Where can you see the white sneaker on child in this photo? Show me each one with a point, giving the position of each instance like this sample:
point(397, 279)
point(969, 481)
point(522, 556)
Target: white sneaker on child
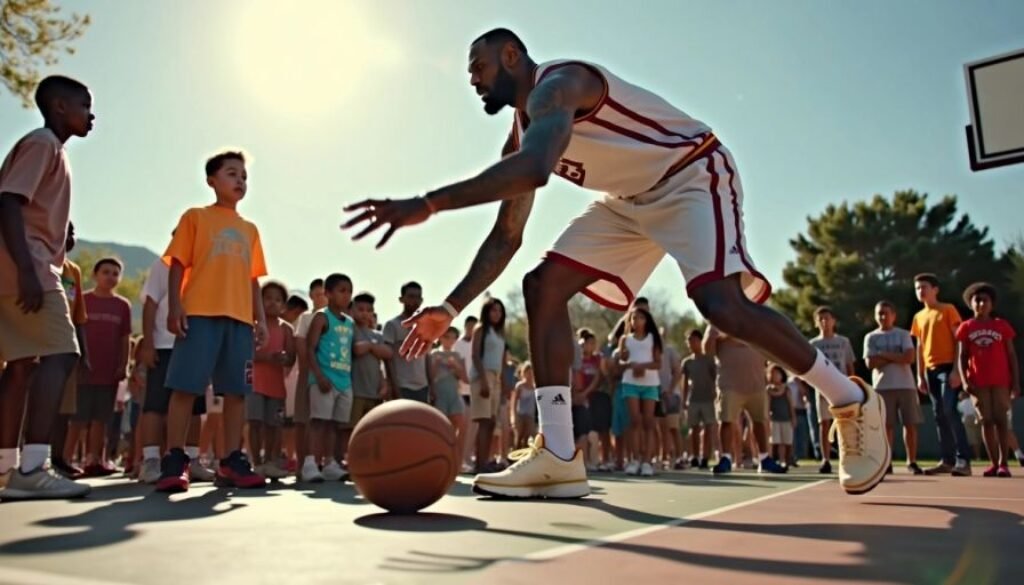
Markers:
point(310, 472)
point(633, 468)
point(333, 472)
point(273, 471)
point(150, 472)
point(647, 470)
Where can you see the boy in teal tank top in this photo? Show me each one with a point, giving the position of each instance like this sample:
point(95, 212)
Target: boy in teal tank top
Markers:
point(330, 341)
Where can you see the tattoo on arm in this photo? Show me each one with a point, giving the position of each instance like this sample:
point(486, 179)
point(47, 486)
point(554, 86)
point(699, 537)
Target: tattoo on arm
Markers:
point(495, 253)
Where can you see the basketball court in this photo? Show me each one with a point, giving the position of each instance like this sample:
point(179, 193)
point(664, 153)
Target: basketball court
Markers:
point(681, 525)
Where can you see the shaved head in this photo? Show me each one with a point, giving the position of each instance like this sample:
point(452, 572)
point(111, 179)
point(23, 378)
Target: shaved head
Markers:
point(499, 37)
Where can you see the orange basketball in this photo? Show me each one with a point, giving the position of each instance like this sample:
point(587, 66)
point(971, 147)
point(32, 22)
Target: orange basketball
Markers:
point(402, 456)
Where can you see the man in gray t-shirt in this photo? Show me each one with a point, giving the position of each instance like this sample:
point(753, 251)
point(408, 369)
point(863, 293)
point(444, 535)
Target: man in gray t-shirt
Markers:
point(408, 378)
point(889, 351)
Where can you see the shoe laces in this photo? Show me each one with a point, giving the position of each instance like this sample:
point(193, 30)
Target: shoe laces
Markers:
point(525, 453)
point(851, 435)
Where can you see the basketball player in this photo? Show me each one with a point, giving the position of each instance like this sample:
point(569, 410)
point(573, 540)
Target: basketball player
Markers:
point(669, 186)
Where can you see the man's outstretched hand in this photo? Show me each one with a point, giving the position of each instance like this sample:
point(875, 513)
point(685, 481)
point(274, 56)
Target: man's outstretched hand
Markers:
point(397, 213)
point(428, 325)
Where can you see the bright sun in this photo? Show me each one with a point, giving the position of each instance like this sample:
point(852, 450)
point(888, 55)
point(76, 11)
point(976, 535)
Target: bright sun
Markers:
point(306, 58)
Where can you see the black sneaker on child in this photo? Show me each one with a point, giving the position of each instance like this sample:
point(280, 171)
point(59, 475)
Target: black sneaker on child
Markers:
point(173, 472)
point(914, 468)
point(236, 471)
point(694, 462)
point(826, 467)
point(703, 463)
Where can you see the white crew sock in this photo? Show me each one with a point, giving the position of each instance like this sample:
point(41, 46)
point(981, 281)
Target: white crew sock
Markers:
point(192, 452)
point(725, 456)
point(555, 411)
point(833, 384)
point(33, 457)
point(8, 459)
point(762, 456)
point(151, 452)
point(1018, 453)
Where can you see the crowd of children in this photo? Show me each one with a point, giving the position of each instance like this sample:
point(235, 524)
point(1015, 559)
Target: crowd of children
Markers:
point(238, 382)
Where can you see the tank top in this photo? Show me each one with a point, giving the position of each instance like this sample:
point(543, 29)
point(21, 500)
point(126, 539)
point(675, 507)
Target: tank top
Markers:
point(629, 142)
point(334, 351)
point(494, 353)
point(268, 377)
point(641, 351)
point(527, 403)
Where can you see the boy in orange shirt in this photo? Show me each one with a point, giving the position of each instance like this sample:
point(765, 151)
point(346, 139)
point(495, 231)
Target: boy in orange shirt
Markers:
point(38, 336)
point(935, 328)
point(216, 313)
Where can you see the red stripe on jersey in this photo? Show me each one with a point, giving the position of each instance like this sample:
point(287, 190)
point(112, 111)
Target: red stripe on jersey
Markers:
point(739, 233)
point(645, 121)
point(718, 273)
point(638, 136)
point(719, 220)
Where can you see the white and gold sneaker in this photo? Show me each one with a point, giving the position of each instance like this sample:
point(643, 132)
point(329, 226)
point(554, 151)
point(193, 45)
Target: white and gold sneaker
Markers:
point(864, 454)
point(536, 473)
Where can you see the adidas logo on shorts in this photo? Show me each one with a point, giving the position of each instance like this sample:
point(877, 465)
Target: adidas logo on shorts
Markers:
point(558, 400)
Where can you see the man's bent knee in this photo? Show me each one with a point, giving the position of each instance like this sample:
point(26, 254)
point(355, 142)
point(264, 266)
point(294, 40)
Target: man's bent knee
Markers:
point(723, 304)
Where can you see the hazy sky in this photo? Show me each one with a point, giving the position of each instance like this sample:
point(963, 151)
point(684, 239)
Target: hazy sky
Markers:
point(819, 101)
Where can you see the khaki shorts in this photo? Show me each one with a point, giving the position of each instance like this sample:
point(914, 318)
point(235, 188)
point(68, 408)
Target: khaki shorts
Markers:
point(901, 407)
point(360, 408)
point(698, 413)
point(301, 414)
point(730, 405)
point(331, 406)
point(782, 433)
point(695, 216)
point(991, 403)
point(481, 408)
point(46, 332)
point(673, 420)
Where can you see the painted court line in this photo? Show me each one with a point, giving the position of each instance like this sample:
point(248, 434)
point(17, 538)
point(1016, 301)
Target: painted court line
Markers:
point(561, 551)
point(13, 576)
point(975, 498)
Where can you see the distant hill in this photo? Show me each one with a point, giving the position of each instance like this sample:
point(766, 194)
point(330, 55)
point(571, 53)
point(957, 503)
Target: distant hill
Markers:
point(136, 258)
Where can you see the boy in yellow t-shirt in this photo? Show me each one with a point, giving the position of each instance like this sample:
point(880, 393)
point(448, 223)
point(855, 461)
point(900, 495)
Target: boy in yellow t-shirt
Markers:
point(934, 327)
point(215, 310)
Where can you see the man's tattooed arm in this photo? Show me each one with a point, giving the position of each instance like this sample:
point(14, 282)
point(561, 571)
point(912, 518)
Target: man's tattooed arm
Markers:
point(497, 249)
point(551, 107)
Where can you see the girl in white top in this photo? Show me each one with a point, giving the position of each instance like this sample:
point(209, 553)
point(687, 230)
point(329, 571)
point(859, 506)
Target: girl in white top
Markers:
point(640, 356)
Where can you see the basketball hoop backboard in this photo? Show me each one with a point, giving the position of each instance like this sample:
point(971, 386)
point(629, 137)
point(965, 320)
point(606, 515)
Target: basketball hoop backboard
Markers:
point(995, 95)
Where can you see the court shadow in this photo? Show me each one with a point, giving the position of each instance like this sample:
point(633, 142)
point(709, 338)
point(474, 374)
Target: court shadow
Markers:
point(420, 522)
point(978, 546)
point(337, 492)
point(115, 522)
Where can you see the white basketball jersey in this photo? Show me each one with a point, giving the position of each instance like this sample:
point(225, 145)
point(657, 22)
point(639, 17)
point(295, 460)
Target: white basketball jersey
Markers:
point(629, 142)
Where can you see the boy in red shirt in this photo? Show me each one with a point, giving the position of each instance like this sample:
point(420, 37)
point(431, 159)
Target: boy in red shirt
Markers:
point(988, 368)
point(265, 405)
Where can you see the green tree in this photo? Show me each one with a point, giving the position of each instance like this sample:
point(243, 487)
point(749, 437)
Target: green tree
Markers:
point(33, 33)
point(852, 256)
